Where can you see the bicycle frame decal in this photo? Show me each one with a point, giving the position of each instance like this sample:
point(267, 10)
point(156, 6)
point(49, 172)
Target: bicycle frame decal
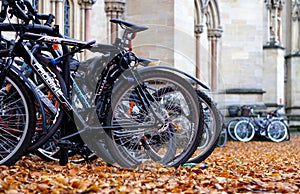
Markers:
point(51, 39)
point(48, 79)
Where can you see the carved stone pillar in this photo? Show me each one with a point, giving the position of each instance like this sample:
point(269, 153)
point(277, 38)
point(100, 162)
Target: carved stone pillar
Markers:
point(198, 31)
point(57, 9)
point(274, 10)
point(86, 7)
point(214, 35)
point(114, 9)
point(295, 28)
point(273, 55)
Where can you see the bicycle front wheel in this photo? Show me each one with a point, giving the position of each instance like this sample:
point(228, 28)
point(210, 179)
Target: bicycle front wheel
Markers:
point(168, 104)
point(17, 119)
point(244, 130)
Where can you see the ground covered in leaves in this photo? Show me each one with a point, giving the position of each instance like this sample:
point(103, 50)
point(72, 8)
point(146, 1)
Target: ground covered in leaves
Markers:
point(257, 166)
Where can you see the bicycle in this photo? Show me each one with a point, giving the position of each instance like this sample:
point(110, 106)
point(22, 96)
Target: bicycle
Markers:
point(272, 127)
point(120, 62)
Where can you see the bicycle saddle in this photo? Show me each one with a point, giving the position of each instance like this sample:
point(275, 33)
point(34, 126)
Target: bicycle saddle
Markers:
point(132, 26)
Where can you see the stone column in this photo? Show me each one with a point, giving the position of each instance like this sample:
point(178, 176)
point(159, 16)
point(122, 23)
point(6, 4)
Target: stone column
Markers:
point(198, 31)
point(273, 56)
point(114, 9)
point(57, 9)
point(293, 59)
point(213, 36)
point(86, 7)
point(274, 11)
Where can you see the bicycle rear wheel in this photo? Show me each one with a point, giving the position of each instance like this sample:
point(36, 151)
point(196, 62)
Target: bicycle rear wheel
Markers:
point(173, 102)
point(213, 124)
point(277, 131)
point(17, 119)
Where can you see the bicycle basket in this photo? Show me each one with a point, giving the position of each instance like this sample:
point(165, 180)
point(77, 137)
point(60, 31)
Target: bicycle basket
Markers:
point(245, 111)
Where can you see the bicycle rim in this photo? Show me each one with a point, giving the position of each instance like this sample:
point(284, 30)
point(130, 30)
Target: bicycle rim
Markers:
point(170, 144)
point(16, 120)
point(213, 124)
point(277, 131)
point(244, 130)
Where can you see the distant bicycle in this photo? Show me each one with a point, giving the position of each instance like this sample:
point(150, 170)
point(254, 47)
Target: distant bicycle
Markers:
point(272, 126)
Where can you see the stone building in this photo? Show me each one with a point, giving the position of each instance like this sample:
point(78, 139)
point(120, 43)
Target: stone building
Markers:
point(248, 50)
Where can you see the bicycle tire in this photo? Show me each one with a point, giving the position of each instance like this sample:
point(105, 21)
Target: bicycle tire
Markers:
point(206, 136)
point(215, 128)
point(230, 128)
point(242, 130)
point(15, 97)
point(120, 152)
point(277, 131)
point(223, 137)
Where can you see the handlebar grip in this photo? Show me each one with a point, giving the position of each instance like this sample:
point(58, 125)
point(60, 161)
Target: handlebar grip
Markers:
point(50, 19)
point(35, 28)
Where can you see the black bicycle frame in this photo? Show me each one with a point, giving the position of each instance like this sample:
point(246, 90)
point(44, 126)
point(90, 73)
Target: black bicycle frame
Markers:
point(20, 49)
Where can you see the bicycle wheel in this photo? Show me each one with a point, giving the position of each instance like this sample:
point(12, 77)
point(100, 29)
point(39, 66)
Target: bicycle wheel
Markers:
point(277, 131)
point(230, 128)
point(172, 102)
point(206, 136)
point(17, 119)
point(244, 130)
point(213, 123)
point(222, 137)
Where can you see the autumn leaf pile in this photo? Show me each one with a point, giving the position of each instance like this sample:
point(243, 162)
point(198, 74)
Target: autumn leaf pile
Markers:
point(256, 166)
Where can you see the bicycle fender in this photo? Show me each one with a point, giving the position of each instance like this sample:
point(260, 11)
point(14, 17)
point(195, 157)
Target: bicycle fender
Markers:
point(196, 80)
point(32, 88)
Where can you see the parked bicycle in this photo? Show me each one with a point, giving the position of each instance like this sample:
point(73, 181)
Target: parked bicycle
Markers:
point(272, 126)
point(148, 132)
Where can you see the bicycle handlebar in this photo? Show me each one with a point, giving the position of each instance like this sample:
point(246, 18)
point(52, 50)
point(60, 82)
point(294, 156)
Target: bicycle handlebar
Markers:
point(34, 28)
point(17, 8)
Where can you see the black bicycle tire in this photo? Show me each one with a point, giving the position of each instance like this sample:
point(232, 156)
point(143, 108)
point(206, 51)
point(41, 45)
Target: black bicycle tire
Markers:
point(207, 138)
point(188, 87)
point(222, 141)
point(31, 119)
point(208, 101)
point(231, 135)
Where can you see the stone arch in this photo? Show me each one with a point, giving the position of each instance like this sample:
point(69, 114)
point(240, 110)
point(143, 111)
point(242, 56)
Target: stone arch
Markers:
point(207, 16)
